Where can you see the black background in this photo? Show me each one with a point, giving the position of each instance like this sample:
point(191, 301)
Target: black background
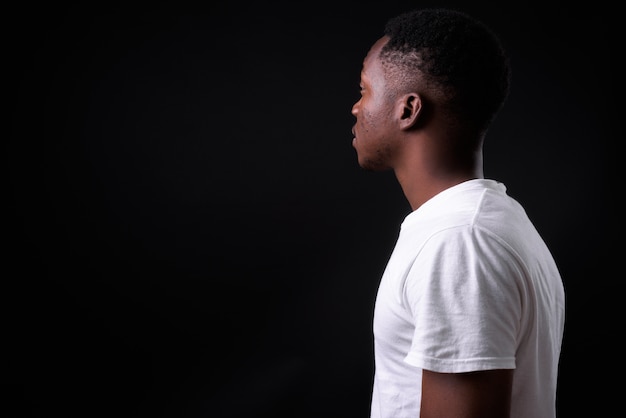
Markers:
point(189, 233)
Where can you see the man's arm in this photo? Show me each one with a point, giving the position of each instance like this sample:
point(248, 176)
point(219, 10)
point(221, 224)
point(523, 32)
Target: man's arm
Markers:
point(484, 394)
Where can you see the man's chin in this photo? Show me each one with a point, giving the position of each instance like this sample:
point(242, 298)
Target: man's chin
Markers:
point(372, 166)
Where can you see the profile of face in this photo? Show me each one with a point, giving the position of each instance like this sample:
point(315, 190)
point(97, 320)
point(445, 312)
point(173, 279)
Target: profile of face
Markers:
point(373, 130)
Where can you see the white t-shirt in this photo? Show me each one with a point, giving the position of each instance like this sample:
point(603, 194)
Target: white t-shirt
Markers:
point(470, 286)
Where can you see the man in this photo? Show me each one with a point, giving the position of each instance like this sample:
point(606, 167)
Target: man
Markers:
point(469, 315)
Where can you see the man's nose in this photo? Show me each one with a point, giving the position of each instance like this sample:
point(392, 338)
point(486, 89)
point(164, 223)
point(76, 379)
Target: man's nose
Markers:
point(355, 108)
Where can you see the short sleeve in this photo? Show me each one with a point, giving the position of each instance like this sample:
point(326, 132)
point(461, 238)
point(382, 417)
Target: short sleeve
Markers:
point(463, 292)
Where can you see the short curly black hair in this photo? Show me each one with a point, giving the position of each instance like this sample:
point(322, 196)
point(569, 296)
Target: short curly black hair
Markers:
point(458, 54)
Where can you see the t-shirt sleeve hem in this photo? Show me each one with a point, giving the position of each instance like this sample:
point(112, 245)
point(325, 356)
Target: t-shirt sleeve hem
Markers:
point(459, 365)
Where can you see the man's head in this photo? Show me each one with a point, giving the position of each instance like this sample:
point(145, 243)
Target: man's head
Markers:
point(430, 64)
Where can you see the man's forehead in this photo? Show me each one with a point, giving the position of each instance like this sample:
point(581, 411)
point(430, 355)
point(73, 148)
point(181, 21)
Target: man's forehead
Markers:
point(371, 59)
point(374, 50)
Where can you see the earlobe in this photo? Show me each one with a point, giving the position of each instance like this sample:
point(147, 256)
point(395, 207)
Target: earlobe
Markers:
point(411, 110)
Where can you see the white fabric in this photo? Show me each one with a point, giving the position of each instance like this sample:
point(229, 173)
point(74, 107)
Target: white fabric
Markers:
point(470, 286)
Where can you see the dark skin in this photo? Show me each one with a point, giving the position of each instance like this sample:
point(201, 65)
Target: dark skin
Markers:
point(484, 394)
point(394, 131)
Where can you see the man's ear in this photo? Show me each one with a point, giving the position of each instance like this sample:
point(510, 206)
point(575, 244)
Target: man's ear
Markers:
point(410, 110)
